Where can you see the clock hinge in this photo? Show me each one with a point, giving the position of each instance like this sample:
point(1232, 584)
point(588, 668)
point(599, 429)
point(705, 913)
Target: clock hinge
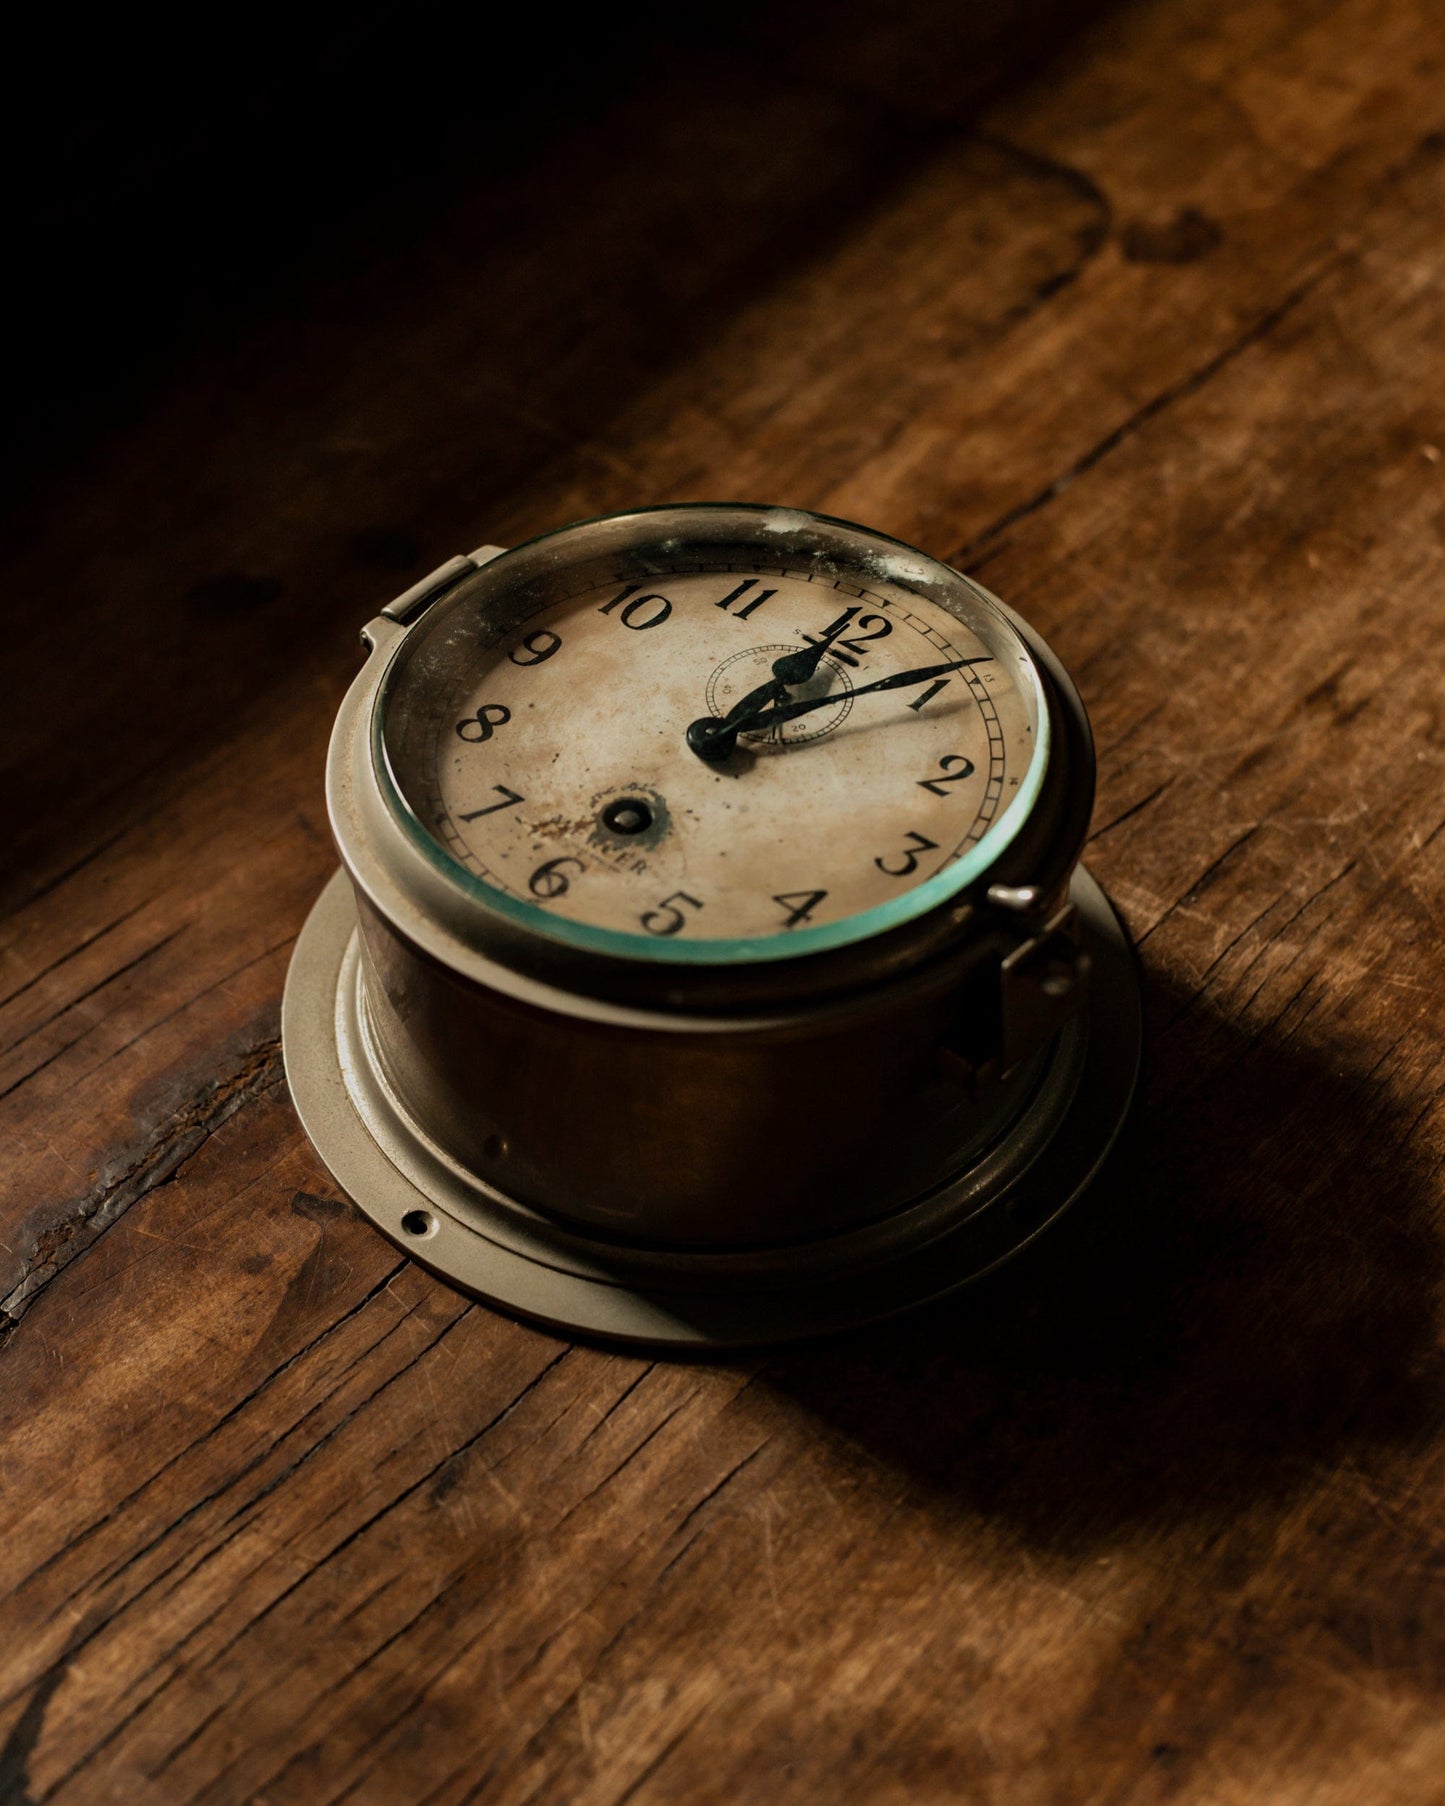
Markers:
point(411, 602)
point(1041, 985)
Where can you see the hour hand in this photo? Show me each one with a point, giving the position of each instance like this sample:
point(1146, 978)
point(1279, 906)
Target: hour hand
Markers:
point(797, 667)
point(714, 737)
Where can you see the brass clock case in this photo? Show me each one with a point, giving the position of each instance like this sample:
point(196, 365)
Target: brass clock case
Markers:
point(710, 1152)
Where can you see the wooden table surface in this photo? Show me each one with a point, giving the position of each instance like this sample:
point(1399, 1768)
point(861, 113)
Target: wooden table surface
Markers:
point(1154, 342)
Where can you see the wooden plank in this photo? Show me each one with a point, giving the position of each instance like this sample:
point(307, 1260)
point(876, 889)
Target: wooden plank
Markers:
point(1156, 1515)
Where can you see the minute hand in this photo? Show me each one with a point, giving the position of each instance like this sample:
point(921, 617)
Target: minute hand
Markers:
point(789, 711)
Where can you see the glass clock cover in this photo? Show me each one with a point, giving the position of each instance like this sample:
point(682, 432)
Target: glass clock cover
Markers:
point(759, 737)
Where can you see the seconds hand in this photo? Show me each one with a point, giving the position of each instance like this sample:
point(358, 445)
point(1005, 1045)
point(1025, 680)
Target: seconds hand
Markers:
point(766, 712)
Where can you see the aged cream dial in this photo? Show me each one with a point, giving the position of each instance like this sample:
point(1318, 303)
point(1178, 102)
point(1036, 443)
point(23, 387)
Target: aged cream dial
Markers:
point(720, 750)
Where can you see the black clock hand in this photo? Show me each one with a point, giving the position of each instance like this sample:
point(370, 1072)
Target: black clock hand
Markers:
point(797, 667)
point(792, 669)
point(789, 711)
point(721, 743)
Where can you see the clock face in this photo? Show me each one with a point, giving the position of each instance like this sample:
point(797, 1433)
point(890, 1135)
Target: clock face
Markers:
point(724, 744)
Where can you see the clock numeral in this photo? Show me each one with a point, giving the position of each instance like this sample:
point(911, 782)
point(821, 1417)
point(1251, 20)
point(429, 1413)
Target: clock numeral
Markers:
point(939, 683)
point(549, 880)
point(938, 785)
point(667, 918)
point(488, 718)
point(850, 648)
point(799, 904)
point(508, 798)
point(917, 843)
point(634, 615)
point(741, 614)
point(536, 647)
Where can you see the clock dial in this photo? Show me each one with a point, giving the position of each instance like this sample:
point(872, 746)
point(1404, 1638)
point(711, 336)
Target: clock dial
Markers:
point(717, 746)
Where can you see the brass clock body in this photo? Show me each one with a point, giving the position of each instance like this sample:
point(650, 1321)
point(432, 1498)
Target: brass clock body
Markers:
point(710, 963)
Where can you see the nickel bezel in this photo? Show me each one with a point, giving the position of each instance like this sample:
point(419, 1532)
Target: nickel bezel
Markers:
point(461, 919)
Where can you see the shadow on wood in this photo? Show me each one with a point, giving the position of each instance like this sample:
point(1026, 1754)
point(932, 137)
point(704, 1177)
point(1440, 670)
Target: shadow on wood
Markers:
point(1250, 1290)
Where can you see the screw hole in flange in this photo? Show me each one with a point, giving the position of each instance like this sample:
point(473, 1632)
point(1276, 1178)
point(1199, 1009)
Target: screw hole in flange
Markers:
point(419, 1223)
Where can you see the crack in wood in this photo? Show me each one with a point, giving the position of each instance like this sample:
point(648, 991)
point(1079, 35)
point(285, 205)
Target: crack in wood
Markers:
point(453, 1656)
point(668, 1749)
point(255, 1393)
point(189, 1003)
point(74, 1002)
point(178, 1139)
point(1157, 404)
point(64, 959)
point(706, 1500)
point(54, 883)
point(1133, 809)
point(164, 1681)
point(407, 1494)
point(626, 1460)
point(616, 1405)
point(1192, 892)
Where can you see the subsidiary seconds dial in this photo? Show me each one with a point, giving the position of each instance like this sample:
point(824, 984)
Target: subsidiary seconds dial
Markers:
point(718, 749)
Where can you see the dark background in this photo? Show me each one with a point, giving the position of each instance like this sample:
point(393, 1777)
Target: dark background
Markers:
point(176, 175)
point(476, 237)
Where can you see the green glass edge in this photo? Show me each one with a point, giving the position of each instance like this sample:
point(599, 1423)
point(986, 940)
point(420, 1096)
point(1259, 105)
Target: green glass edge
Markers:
point(613, 942)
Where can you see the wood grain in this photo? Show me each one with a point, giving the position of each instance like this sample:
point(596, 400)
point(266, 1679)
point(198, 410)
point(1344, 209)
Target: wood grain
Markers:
point(1152, 345)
